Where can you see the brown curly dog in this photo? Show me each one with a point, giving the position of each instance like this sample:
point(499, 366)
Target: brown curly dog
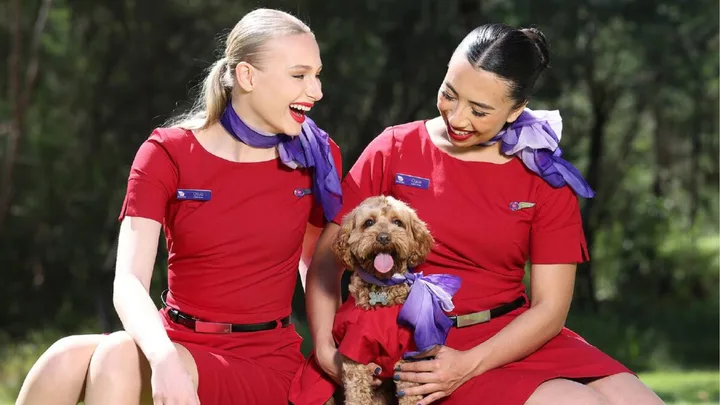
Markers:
point(382, 236)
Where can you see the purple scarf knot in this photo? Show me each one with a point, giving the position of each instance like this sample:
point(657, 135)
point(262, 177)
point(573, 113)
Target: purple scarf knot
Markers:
point(310, 149)
point(534, 137)
point(424, 309)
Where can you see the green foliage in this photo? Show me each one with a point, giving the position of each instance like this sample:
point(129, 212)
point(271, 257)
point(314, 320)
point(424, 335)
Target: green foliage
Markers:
point(699, 387)
point(17, 357)
point(655, 336)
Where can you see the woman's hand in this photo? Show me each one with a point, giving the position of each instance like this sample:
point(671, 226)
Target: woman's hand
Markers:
point(170, 381)
point(438, 377)
point(330, 361)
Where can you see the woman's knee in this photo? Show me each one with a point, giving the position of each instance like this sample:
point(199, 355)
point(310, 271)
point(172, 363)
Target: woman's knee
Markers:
point(625, 389)
point(117, 357)
point(69, 353)
point(60, 371)
point(565, 392)
point(67, 358)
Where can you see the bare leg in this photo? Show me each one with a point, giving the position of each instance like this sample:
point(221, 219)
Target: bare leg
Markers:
point(58, 376)
point(565, 392)
point(120, 374)
point(625, 389)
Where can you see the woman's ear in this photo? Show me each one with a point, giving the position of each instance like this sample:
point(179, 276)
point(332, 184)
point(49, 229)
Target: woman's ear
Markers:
point(245, 76)
point(516, 113)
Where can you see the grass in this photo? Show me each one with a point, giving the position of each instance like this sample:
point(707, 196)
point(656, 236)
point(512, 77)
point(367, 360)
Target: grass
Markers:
point(685, 388)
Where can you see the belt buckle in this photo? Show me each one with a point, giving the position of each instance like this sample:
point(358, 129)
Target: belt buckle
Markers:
point(212, 327)
point(473, 319)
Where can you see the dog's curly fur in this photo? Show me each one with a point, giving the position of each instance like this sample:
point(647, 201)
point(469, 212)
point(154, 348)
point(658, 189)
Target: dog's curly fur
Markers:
point(356, 245)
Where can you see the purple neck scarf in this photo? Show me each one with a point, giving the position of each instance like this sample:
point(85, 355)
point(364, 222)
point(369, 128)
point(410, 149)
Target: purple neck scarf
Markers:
point(424, 310)
point(534, 138)
point(309, 149)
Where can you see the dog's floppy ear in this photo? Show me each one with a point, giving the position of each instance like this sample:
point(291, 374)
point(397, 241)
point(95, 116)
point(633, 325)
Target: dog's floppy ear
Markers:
point(423, 241)
point(340, 245)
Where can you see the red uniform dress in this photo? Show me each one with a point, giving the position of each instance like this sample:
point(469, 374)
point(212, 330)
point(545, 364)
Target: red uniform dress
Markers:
point(487, 220)
point(233, 258)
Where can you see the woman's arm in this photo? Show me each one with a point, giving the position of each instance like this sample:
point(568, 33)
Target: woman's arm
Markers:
point(137, 249)
point(322, 300)
point(551, 286)
point(312, 233)
point(552, 290)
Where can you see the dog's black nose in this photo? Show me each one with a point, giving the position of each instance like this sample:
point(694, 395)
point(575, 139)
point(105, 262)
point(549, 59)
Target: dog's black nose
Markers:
point(383, 238)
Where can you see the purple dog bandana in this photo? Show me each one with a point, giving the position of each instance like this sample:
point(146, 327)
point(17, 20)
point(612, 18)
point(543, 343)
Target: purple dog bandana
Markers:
point(534, 138)
point(309, 149)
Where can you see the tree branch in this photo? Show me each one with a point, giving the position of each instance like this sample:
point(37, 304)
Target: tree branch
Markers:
point(19, 96)
point(33, 62)
point(621, 165)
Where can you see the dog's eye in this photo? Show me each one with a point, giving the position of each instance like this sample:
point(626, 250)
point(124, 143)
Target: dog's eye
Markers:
point(399, 223)
point(369, 223)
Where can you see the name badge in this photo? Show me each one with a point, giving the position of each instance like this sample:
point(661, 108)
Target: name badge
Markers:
point(412, 181)
point(190, 194)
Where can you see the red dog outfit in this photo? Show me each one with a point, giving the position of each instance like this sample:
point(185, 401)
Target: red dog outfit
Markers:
point(363, 336)
point(374, 335)
point(384, 335)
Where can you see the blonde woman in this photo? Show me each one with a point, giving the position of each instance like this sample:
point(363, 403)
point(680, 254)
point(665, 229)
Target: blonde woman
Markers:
point(239, 186)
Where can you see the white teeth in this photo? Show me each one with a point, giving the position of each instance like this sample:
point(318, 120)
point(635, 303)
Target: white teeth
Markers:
point(461, 132)
point(300, 107)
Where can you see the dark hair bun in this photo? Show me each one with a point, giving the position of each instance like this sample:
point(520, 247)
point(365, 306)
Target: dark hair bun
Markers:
point(540, 42)
point(517, 55)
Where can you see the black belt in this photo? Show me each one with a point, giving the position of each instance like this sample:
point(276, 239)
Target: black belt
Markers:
point(461, 321)
point(200, 326)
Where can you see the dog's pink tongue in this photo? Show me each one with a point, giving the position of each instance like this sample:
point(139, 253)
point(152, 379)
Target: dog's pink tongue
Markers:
point(383, 262)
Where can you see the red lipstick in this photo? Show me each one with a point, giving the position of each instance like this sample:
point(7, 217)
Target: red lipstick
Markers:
point(297, 114)
point(462, 136)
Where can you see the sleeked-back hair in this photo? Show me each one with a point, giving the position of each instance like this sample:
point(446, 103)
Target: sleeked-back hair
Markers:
point(245, 43)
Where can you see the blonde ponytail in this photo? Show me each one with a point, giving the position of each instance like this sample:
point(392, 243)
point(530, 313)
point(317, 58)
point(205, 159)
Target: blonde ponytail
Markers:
point(209, 106)
point(244, 43)
point(216, 91)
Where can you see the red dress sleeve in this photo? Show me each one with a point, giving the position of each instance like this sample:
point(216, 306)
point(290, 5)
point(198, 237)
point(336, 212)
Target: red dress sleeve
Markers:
point(556, 233)
point(317, 216)
point(152, 182)
point(368, 176)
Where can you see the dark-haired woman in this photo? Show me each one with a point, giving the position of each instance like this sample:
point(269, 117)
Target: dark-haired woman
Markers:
point(488, 178)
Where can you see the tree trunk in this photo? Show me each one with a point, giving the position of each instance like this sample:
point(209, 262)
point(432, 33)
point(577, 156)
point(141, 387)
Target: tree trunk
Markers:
point(586, 294)
point(695, 153)
point(20, 92)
